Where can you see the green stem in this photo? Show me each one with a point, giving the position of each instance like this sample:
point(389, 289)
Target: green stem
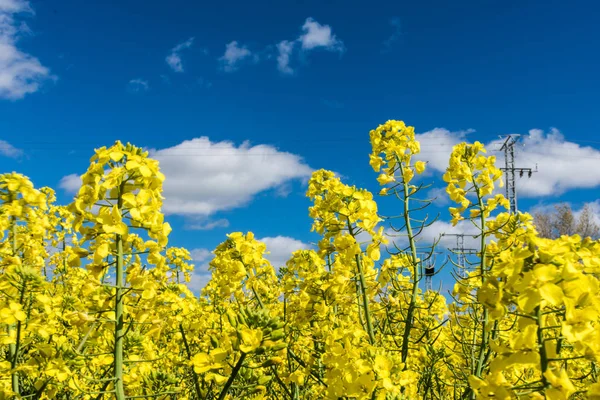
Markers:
point(119, 326)
point(318, 351)
point(234, 373)
point(415, 289)
point(19, 324)
point(484, 334)
point(540, 339)
point(281, 383)
point(189, 354)
point(12, 348)
point(483, 350)
point(85, 338)
point(359, 301)
point(363, 290)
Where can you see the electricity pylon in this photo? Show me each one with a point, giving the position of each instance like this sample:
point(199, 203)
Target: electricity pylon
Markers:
point(510, 169)
point(461, 252)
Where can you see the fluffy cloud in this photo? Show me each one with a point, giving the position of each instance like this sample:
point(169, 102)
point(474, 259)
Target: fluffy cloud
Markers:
point(20, 73)
point(8, 150)
point(205, 224)
point(234, 55)
point(70, 183)
point(436, 146)
point(316, 35)
point(440, 232)
point(203, 177)
point(281, 249)
point(562, 165)
point(200, 255)
point(557, 159)
point(174, 58)
point(138, 85)
point(284, 49)
point(438, 196)
point(436, 230)
point(199, 278)
point(201, 275)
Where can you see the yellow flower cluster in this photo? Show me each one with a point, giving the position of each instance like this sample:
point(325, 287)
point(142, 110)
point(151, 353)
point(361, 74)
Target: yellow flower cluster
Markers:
point(470, 170)
point(239, 268)
point(336, 205)
point(393, 145)
point(95, 305)
point(551, 292)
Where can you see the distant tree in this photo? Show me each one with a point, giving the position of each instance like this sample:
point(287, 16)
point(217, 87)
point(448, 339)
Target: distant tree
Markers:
point(562, 221)
point(586, 225)
point(543, 223)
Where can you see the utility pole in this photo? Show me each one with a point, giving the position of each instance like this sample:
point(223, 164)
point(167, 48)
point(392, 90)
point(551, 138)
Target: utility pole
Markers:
point(461, 251)
point(510, 169)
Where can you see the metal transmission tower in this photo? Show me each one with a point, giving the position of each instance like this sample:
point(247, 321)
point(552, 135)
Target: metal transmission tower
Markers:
point(510, 169)
point(429, 272)
point(429, 267)
point(461, 251)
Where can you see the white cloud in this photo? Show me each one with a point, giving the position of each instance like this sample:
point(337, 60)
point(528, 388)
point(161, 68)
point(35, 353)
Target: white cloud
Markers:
point(316, 35)
point(436, 146)
point(201, 275)
point(433, 233)
point(70, 183)
point(283, 190)
point(8, 150)
point(438, 196)
point(199, 278)
point(562, 165)
point(20, 73)
point(234, 55)
point(138, 85)
point(285, 48)
point(281, 249)
point(313, 36)
point(203, 224)
point(200, 255)
point(560, 162)
point(174, 58)
point(203, 177)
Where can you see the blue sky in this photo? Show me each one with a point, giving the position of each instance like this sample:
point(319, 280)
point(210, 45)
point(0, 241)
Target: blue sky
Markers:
point(304, 81)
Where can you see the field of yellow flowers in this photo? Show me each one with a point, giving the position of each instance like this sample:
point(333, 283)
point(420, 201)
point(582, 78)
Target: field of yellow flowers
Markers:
point(94, 303)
